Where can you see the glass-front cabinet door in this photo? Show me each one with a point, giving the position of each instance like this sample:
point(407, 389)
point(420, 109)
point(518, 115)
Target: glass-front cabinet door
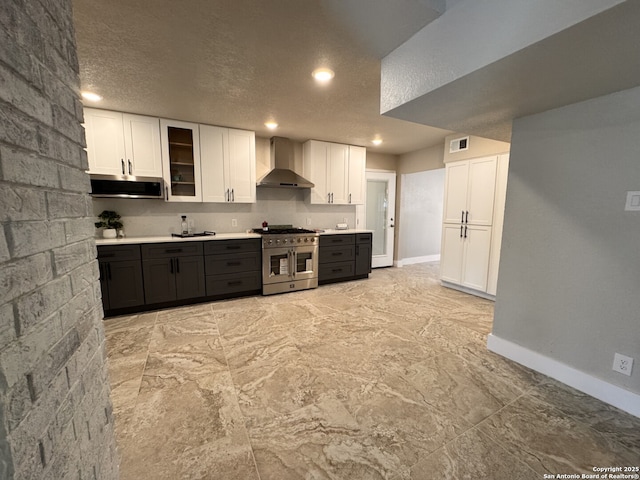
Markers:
point(181, 161)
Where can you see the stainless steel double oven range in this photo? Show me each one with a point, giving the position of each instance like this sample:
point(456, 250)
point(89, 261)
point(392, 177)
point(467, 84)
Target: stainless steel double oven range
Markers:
point(289, 259)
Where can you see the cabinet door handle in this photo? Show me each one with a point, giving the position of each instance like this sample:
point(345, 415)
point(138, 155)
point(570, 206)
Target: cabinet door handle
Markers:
point(122, 162)
point(171, 265)
point(331, 197)
point(234, 283)
point(173, 250)
point(234, 264)
point(460, 231)
point(462, 217)
point(328, 198)
point(465, 231)
point(466, 219)
point(349, 198)
point(233, 195)
point(177, 265)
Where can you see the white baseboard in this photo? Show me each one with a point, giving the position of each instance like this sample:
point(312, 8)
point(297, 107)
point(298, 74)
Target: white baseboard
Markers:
point(608, 393)
point(412, 260)
point(470, 291)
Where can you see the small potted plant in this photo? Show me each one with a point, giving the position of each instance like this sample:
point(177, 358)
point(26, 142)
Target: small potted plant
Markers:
point(110, 222)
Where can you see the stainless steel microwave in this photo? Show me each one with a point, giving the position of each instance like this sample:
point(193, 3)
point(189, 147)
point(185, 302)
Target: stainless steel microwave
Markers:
point(126, 186)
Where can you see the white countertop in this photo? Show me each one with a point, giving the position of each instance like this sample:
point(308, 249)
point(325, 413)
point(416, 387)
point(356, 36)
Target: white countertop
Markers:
point(168, 239)
point(333, 231)
point(208, 238)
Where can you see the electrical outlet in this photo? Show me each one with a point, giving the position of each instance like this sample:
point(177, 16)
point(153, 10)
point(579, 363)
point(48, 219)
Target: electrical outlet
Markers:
point(622, 364)
point(308, 222)
point(344, 220)
point(234, 222)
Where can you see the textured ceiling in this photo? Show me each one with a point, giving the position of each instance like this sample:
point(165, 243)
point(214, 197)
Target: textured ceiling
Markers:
point(239, 63)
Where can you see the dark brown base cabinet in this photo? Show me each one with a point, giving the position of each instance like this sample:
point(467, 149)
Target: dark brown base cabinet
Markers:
point(149, 276)
point(233, 267)
point(344, 257)
point(364, 250)
point(120, 277)
point(173, 271)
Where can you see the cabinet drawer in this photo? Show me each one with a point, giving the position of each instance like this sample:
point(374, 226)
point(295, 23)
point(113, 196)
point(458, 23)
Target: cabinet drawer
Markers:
point(118, 252)
point(364, 237)
point(166, 250)
point(215, 247)
point(340, 239)
point(232, 263)
point(233, 283)
point(332, 271)
point(337, 253)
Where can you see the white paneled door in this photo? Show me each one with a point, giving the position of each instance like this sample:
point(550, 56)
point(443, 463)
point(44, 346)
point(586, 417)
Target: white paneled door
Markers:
point(380, 210)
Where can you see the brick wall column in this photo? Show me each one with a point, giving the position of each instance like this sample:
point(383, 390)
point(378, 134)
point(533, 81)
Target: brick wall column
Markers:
point(55, 413)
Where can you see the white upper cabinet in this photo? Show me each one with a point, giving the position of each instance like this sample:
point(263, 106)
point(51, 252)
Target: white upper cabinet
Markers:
point(315, 168)
point(357, 181)
point(228, 165)
point(122, 144)
point(470, 190)
point(105, 142)
point(142, 145)
point(181, 160)
point(240, 170)
point(338, 172)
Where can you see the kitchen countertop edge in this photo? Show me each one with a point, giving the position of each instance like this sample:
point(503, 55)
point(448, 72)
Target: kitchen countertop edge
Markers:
point(208, 238)
point(169, 239)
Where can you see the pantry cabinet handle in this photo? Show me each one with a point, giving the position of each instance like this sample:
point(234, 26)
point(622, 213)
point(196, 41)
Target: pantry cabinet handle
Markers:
point(466, 219)
point(462, 217)
point(465, 231)
point(460, 231)
point(122, 162)
point(130, 167)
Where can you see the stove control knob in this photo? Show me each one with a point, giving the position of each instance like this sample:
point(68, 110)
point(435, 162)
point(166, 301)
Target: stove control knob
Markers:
point(278, 242)
point(285, 240)
point(299, 240)
point(306, 240)
point(270, 242)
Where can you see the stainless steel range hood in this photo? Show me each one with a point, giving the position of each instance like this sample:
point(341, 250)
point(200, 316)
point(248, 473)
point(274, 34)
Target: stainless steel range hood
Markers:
point(283, 176)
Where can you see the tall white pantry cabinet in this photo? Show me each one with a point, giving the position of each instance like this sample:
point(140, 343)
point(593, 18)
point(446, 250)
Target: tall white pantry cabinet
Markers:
point(472, 223)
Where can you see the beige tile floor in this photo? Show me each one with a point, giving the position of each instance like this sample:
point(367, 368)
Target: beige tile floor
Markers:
point(384, 378)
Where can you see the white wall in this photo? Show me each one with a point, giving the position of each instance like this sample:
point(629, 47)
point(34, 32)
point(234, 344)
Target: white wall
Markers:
point(570, 264)
point(420, 229)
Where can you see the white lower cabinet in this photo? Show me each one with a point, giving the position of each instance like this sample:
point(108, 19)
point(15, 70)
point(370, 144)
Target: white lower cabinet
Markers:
point(465, 255)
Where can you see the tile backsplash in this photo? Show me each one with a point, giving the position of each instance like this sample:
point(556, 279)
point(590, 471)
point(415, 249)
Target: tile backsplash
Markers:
point(143, 217)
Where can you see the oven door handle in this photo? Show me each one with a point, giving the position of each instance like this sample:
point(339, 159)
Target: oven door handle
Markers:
point(292, 265)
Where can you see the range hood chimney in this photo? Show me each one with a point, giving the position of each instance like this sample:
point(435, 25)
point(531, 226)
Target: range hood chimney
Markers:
point(282, 175)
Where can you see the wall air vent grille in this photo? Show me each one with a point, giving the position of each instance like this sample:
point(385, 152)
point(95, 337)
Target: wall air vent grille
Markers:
point(459, 144)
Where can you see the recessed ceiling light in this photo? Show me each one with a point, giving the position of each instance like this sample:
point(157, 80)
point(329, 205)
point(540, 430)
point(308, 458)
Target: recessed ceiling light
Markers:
point(90, 96)
point(271, 125)
point(323, 74)
point(377, 141)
